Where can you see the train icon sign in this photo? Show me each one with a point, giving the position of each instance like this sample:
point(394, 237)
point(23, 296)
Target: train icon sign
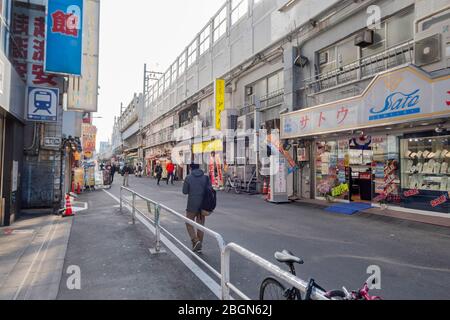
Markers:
point(42, 104)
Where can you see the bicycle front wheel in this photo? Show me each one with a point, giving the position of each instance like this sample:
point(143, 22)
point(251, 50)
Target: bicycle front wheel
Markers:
point(237, 186)
point(272, 290)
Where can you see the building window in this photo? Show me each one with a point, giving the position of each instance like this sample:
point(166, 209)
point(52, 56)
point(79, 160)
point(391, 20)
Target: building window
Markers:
point(220, 24)
point(345, 62)
point(192, 53)
point(275, 83)
point(238, 9)
point(182, 64)
point(160, 87)
point(174, 74)
point(204, 40)
point(167, 80)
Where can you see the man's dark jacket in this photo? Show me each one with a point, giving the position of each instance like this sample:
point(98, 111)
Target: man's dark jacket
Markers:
point(195, 186)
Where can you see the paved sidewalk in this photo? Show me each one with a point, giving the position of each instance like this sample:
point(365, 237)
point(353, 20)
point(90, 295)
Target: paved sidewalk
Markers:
point(32, 255)
point(115, 261)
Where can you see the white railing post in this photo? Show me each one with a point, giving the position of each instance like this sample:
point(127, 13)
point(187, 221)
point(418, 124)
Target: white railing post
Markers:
point(133, 213)
point(225, 271)
point(157, 228)
point(121, 205)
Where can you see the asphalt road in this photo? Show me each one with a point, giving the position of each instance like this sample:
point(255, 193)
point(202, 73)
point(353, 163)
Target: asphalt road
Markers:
point(115, 262)
point(414, 258)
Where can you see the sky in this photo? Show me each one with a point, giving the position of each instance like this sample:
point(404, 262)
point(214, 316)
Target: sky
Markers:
point(135, 32)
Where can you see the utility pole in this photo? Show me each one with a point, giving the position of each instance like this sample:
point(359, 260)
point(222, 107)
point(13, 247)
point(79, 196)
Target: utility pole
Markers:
point(149, 78)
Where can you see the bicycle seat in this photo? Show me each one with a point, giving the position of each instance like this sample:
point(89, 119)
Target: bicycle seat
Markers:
point(287, 257)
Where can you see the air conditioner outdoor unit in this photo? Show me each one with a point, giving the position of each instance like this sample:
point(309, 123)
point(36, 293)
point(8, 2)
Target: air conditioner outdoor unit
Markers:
point(431, 45)
point(428, 50)
point(364, 38)
point(243, 123)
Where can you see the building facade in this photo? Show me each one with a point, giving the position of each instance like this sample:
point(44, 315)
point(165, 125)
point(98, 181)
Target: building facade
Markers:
point(129, 129)
point(314, 71)
point(12, 124)
point(38, 146)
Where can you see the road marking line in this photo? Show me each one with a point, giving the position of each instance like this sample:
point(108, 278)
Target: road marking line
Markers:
point(188, 262)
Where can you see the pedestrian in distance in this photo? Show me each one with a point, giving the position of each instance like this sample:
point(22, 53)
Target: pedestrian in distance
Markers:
point(158, 172)
point(140, 170)
point(113, 172)
point(126, 174)
point(170, 167)
point(201, 202)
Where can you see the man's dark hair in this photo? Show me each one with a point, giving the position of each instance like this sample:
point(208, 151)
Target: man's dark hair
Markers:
point(195, 166)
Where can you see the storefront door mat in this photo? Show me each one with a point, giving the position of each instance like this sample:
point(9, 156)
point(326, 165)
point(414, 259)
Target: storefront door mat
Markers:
point(349, 208)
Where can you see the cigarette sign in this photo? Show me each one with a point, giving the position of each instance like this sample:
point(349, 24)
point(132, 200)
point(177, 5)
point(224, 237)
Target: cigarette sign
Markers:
point(220, 101)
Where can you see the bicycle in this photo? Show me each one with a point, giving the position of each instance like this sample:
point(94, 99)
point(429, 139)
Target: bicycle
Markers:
point(234, 183)
point(272, 289)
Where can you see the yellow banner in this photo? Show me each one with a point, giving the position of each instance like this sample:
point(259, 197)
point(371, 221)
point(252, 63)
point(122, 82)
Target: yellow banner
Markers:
point(220, 101)
point(207, 147)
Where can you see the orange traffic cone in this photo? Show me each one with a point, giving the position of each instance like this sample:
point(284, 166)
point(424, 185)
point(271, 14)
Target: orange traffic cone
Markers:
point(265, 190)
point(69, 211)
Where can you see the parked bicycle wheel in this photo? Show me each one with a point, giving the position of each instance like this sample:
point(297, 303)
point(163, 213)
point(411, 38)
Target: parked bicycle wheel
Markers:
point(227, 187)
point(237, 184)
point(272, 290)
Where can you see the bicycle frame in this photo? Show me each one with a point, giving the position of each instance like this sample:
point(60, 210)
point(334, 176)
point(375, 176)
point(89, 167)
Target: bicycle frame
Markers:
point(361, 294)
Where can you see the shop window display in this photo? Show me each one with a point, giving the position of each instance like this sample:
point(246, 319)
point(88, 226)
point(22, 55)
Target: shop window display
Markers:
point(386, 168)
point(426, 164)
point(426, 173)
point(330, 169)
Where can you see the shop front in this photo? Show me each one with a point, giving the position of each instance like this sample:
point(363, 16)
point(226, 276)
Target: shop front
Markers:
point(210, 156)
point(389, 146)
point(154, 155)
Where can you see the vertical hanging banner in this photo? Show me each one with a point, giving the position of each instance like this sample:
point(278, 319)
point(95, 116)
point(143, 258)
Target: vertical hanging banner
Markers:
point(219, 95)
point(82, 93)
point(64, 41)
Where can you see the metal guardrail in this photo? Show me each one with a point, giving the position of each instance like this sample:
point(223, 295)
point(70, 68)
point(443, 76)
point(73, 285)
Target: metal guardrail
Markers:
point(157, 208)
point(225, 250)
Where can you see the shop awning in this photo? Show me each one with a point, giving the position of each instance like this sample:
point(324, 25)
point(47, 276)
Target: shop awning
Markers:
point(400, 96)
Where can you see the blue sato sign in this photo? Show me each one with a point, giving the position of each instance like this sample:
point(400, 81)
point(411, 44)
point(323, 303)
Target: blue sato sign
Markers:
point(397, 104)
point(64, 42)
point(42, 104)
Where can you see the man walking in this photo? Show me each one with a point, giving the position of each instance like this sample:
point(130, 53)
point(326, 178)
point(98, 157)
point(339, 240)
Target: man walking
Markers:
point(126, 174)
point(113, 172)
point(195, 187)
point(159, 172)
point(170, 172)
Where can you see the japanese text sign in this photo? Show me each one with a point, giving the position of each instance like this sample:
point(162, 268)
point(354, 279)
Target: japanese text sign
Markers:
point(220, 102)
point(398, 96)
point(64, 43)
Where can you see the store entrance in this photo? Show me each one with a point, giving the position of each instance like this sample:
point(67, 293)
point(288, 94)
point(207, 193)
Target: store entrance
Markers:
point(360, 172)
